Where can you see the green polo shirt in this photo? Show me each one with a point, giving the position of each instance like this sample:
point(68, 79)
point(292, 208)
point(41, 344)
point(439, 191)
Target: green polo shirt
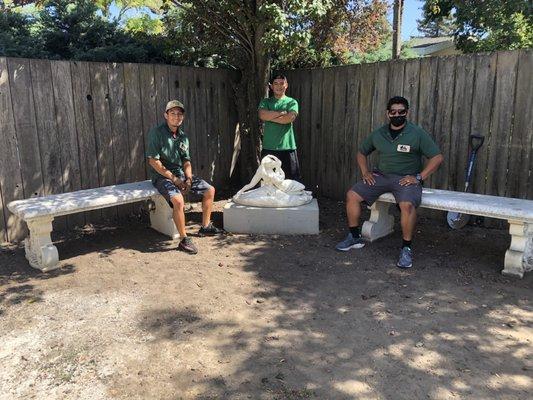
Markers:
point(172, 152)
point(279, 136)
point(403, 155)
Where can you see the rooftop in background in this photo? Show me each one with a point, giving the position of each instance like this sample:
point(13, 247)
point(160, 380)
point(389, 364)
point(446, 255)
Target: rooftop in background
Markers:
point(433, 46)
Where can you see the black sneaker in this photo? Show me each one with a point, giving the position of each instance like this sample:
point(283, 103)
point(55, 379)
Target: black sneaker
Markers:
point(209, 230)
point(187, 246)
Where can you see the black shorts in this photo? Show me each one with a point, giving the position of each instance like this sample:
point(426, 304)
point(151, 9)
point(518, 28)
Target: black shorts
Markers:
point(289, 162)
point(168, 189)
point(389, 183)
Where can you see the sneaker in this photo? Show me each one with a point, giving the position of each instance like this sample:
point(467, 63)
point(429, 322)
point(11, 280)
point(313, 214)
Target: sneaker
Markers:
point(187, 246)
point(350, 243)
point(209, 230)
point(406, 258)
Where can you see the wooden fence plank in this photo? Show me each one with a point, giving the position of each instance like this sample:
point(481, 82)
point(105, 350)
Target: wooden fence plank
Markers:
point(443, 118)
point(25, 126)
point(119, 130)
point(427, 99)
point(148, 103)
point(365, 108)
point(11, 185)
point(83, 111)
point(411, 87)
point(67, 133)
point(381, 94)
point(306, 124)
point(162, 95)
point(338, 139)
point(102, 129)
point(396, 78)
point(521, 153)
point(326, 151)
point(201, 131)
point(45, 118)
point(136, 134)
point(351, 124)
point(483, 95)
point(460, 129)
point(316, 108)
point(500, 127)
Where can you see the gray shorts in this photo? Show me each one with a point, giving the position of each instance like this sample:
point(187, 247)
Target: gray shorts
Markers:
point(388, 183)
point(168, 189)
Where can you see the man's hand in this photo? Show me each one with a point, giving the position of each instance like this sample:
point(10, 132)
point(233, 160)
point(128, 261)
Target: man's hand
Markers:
point(409, 180)
point(368, 178)
point(179, 184)
point(188, 184)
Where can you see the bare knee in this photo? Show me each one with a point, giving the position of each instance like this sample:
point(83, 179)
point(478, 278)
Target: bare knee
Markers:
point(177, 202)
point(407, 207)
point(352, 197)
point(209, 193)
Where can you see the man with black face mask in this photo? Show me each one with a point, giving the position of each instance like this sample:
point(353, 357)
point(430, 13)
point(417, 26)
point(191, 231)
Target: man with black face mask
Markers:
point(400, 145)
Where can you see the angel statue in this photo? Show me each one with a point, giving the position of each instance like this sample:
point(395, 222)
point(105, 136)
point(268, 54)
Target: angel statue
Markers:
point(276, 191)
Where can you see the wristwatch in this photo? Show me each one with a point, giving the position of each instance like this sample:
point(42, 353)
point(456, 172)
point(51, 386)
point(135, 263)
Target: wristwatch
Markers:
point(418, 178)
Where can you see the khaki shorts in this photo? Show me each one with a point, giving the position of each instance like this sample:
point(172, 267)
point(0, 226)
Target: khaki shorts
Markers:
point(388, 183)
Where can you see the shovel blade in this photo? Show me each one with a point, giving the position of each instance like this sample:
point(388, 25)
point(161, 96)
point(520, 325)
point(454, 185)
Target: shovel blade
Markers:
point(457, 220)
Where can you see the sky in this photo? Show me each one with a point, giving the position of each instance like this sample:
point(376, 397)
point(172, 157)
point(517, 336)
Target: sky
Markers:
point(412, 10)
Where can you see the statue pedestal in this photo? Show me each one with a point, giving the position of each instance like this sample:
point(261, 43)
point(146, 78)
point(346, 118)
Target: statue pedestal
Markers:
point(301, 220)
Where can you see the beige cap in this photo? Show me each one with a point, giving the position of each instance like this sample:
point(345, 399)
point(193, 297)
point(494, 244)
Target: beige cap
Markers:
point(173, 104)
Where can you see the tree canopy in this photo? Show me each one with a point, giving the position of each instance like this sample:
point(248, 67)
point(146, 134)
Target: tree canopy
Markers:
point(485, 25)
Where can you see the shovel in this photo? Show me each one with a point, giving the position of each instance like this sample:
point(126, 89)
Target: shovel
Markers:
point(457, 220)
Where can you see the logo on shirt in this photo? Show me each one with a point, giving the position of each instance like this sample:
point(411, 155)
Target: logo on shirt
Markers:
point(404, 148)
point(184, 147)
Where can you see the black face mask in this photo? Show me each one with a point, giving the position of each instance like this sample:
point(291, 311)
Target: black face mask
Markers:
point(398, 120)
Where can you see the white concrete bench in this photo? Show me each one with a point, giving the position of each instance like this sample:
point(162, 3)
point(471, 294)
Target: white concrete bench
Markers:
point(39, 212)
point(519, 213)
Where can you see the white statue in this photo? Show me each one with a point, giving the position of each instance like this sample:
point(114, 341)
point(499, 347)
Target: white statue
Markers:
point(276, 191)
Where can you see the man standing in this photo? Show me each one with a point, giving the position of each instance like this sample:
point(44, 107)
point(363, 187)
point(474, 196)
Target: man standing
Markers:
point(171, 173)
point(400, 145)
point(278, 113)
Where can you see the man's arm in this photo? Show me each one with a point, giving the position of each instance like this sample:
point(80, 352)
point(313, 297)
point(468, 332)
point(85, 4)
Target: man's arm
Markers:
point(367, 176)
point(163, 171)
point(287, 118)
point(267, 115)
point(431, 166)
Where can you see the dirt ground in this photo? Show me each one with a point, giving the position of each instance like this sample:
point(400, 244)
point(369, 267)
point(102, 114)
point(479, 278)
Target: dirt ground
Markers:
point(266, 317)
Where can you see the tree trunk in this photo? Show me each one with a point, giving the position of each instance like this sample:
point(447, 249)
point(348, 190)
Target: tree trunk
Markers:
point(251, 88)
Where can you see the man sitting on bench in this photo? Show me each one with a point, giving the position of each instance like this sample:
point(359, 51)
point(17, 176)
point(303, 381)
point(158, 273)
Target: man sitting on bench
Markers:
point(400, 145)
point(171, 173)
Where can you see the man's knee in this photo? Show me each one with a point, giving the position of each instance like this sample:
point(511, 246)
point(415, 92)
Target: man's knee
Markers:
point(352, 197)
point(407, 207)
point(177, 202)
point(210, 193)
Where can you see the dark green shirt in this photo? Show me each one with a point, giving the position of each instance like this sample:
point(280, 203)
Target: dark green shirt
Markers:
point(172, 152)
point(402, 155)
point(279, 136)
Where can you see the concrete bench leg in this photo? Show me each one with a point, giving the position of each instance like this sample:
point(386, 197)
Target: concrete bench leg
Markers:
point(519, 256)
point(380, 223)
point(161, 218)
point(40, 252)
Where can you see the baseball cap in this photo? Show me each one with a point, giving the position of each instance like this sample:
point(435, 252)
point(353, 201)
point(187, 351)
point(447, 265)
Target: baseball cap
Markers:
point(174, 103)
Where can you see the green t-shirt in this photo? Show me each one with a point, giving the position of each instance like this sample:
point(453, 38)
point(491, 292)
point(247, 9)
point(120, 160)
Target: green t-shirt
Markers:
point(279, 136)
point(403, 155)
point(172, 152)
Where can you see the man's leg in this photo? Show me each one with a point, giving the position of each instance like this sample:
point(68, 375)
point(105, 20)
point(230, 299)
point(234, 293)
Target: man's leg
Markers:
point(353, 208)
point(178, 213)
point(407, 219)
point(207, 205)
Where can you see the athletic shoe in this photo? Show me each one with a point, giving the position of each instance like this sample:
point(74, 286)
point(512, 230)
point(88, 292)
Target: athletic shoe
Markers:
point(406, 258)
point(187, 246)
point(350, 243)
point(209, 230)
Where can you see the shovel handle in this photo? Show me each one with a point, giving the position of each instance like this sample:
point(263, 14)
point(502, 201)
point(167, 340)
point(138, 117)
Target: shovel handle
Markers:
point(476, 138)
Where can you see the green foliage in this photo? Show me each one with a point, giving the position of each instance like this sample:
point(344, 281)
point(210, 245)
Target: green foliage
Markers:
point(486, 25)
point(383, 53)
point(16, 37)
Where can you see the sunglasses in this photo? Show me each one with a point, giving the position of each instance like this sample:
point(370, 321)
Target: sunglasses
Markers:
point(397, 112)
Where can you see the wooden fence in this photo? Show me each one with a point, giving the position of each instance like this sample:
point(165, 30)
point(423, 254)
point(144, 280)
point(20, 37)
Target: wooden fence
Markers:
point(75, 125)
point(451, 97)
